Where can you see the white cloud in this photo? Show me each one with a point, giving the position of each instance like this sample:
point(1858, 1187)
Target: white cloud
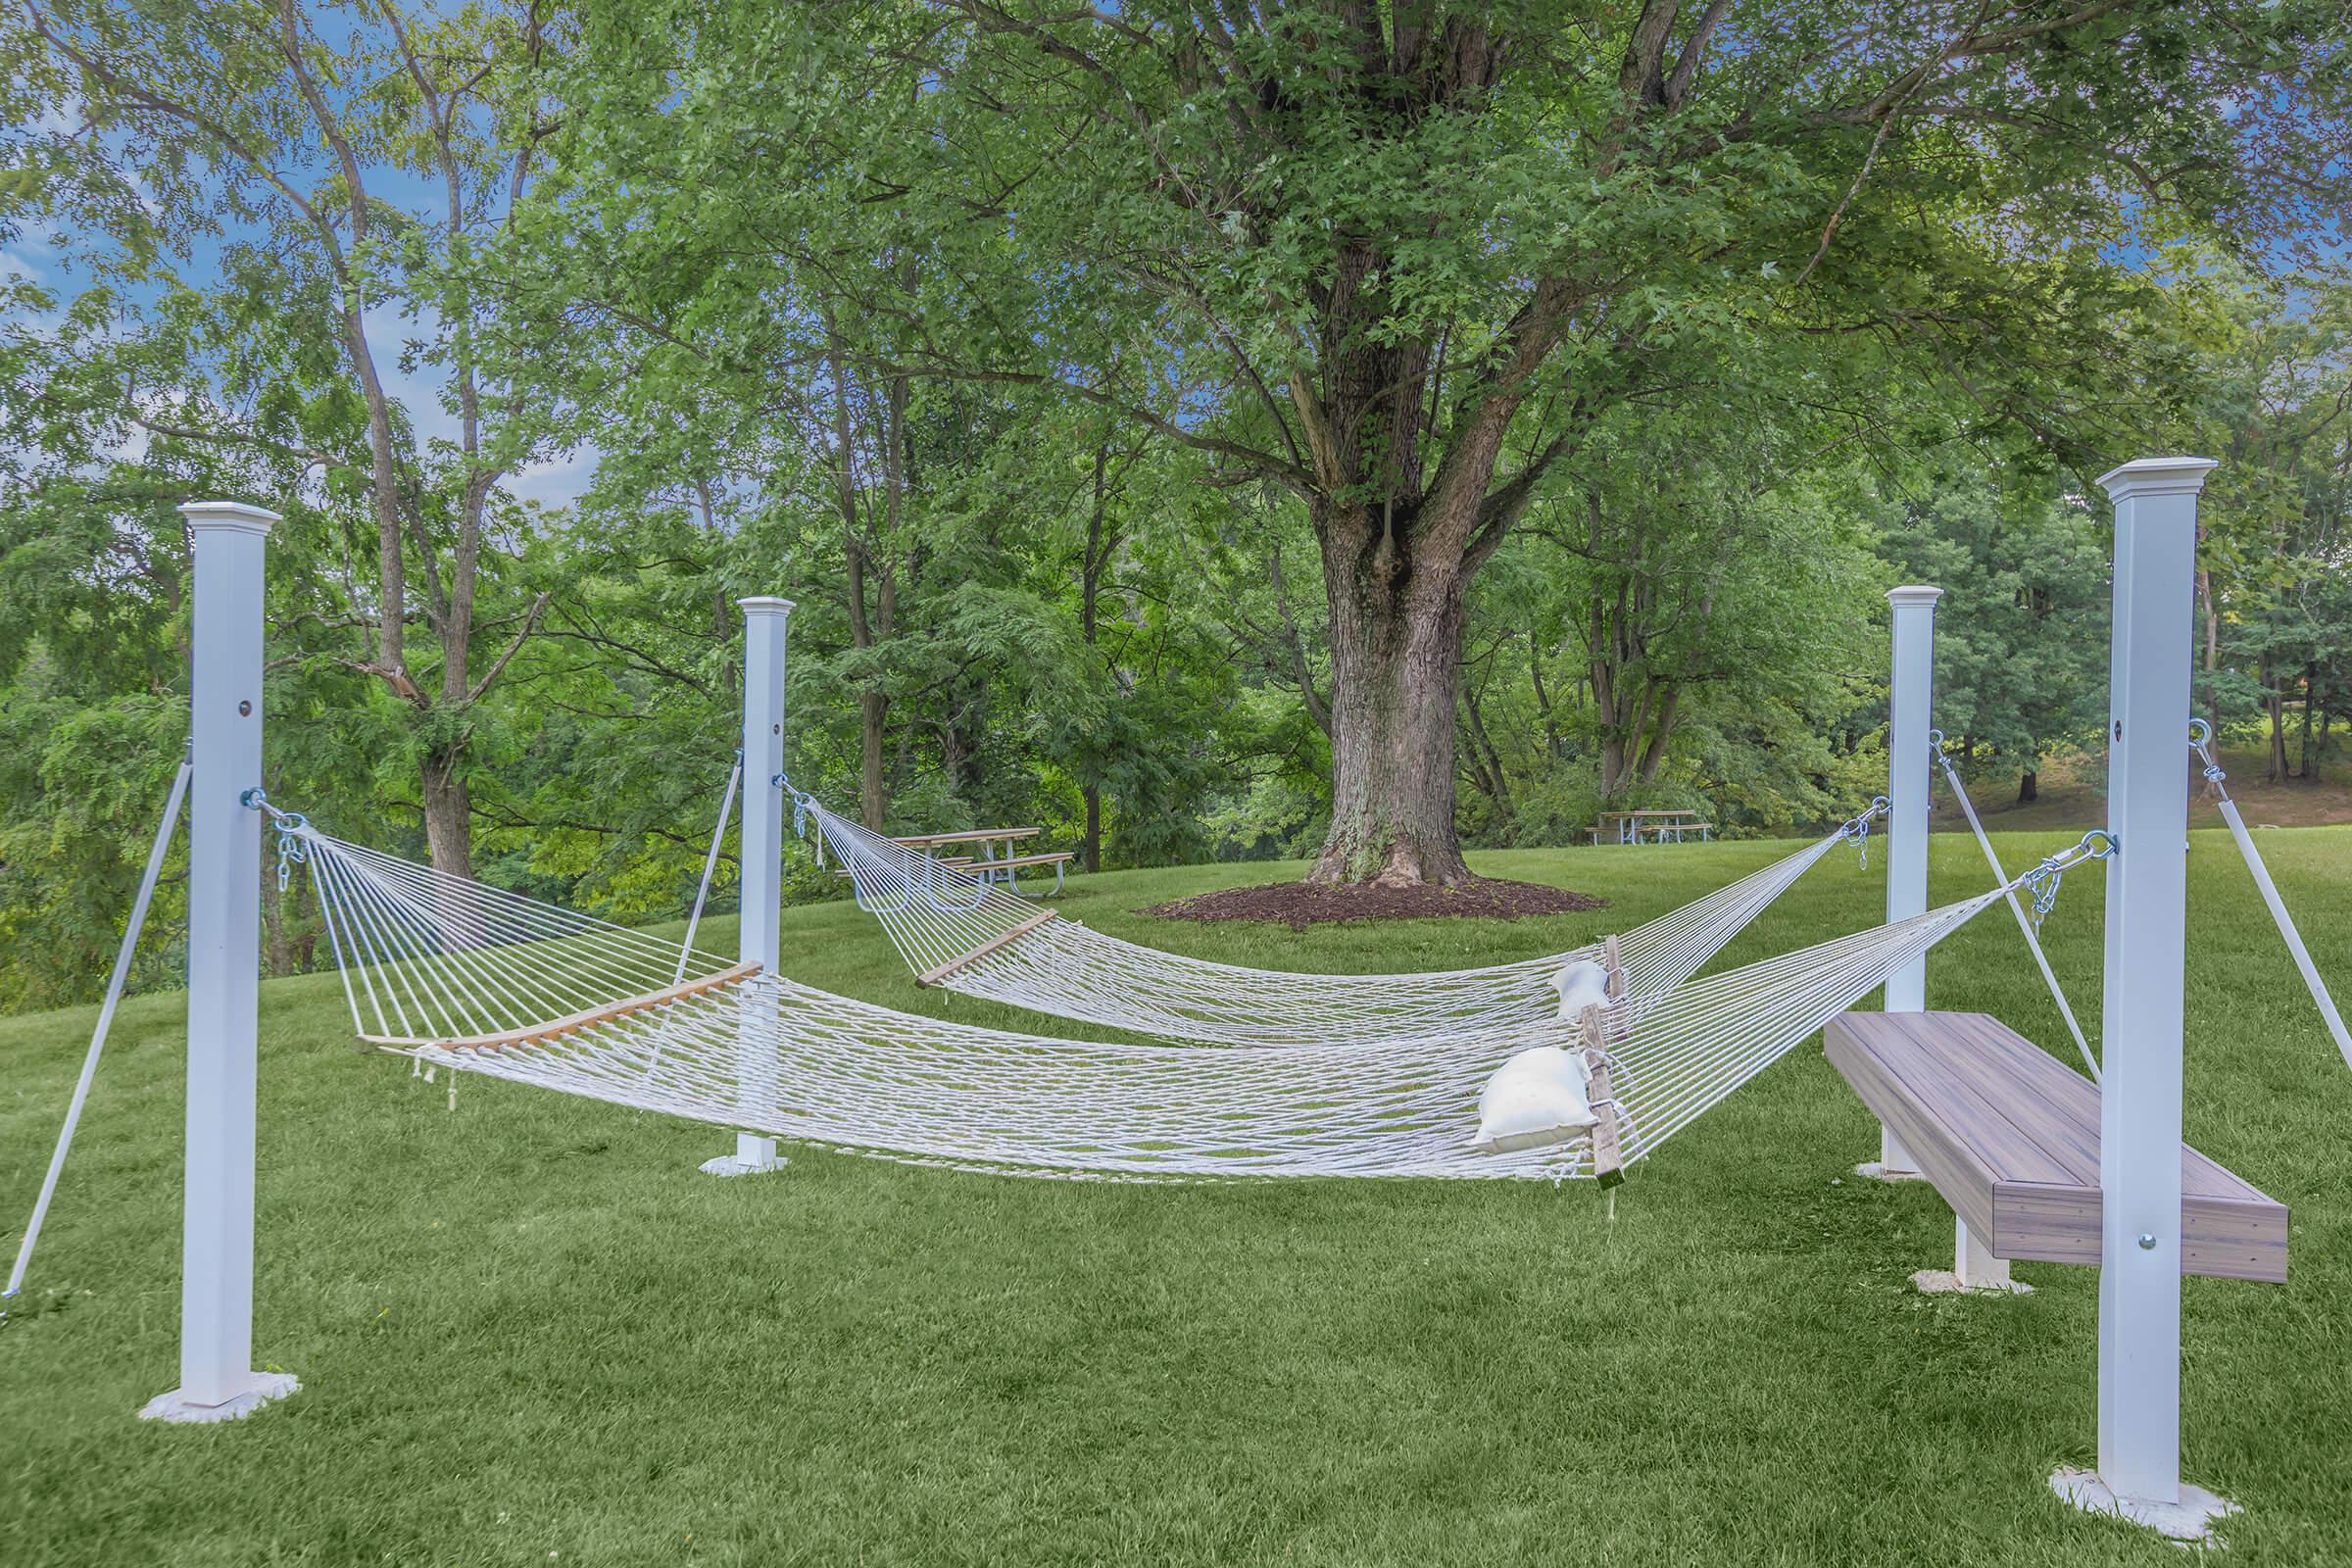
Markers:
point(390, 331)
point(558, 482)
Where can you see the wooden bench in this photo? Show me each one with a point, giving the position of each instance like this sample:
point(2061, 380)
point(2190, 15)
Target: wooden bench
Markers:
point(1058, 859)
point(953, 863)
point(979, 838)
point(2009, 1135)
point(1630, 827)
point(1003, 869)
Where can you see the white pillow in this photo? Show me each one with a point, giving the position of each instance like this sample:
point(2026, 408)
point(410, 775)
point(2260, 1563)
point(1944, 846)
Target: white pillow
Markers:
point(1581, 984)
point(1536, 1098)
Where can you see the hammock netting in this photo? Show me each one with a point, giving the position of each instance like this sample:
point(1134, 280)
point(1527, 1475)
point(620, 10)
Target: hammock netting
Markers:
point(452, 971)
point(936, 914)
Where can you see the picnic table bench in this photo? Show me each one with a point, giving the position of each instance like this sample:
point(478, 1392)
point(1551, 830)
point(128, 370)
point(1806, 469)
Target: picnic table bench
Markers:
point(1626, 827)
point(987, 864)
point(2009, 1135)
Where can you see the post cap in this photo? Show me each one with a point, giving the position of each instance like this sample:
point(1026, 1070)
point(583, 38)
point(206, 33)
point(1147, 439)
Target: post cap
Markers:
point(235, 516)
point(765, 605)
point(1915, 594)
point(2158, 476)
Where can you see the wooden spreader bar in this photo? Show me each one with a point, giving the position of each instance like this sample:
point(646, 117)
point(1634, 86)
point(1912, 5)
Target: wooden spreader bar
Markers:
point(554, 1028)
point(1609, 1158)
point(932, 977)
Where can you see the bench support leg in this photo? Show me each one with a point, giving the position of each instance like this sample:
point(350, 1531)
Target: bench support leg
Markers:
point(1894, 1162)
point(1973, 1269)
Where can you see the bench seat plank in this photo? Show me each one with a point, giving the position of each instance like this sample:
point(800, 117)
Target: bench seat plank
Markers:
point(1053, 857)
point(2010, 1137)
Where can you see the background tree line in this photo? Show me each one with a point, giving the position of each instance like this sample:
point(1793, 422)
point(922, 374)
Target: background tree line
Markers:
point(1342, 432)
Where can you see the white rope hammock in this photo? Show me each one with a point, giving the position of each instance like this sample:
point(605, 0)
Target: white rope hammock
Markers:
point(451, 971)
point(955, 928)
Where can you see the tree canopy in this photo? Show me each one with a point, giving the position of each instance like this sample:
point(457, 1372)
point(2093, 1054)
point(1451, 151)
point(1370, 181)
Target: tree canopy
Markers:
point(1325, 429)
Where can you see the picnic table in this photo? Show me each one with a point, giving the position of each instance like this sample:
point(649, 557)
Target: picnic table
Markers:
point(987, 863)
point(1626, 827)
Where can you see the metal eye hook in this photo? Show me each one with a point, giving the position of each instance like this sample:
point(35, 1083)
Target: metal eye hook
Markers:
point(2200, 741)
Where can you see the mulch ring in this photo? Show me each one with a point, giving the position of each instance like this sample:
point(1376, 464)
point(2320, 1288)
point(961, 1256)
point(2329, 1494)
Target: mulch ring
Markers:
point(1300, 904)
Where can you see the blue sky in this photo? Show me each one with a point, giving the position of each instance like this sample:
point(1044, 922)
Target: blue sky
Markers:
point(36, 254)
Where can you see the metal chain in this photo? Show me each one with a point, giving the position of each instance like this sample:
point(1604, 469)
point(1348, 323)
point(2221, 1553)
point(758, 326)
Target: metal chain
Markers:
point(290, 827)
point(801, 803)
point(2042, 883)
point(1856, 830)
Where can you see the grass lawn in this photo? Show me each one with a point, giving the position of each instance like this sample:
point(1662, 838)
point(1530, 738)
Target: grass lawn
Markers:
point(529, 1331)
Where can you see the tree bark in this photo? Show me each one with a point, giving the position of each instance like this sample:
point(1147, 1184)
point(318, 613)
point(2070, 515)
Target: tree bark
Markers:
point(2275, 703)
point(2213, 650)
point(2028, 787)
point(1093, 561)
point(1661, 730)
point(1485, 760)
point(1543, 708)
point(2310, 684)
point(1396, 622)
point(868, 628)
point(448, 808)
point(274, 922)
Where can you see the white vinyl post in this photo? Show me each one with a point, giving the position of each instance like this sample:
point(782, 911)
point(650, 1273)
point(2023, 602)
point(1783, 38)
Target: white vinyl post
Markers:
point(217, 1379)
point(2140, 1034)
point(1910, 707)
point(760, 941)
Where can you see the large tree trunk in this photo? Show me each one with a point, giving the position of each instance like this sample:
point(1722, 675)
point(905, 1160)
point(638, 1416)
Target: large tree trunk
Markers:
point(2310, 686)
point(874, 798)
point(1092, 560)
point(447, 811)
point(2028, 787)
point(274, 952)
point(2275, 702)
point(2213, 650)
point(1486, 770)
point(1396, 624)
point(1661, 730)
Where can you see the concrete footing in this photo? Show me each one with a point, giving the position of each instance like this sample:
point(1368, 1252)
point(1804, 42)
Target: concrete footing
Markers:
point(2190, 1520)
point(178, 1407)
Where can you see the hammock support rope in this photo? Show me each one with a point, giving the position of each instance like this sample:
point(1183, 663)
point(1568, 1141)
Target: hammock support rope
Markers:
point(2200, 741)
point(2025, 927)
point(121, 977)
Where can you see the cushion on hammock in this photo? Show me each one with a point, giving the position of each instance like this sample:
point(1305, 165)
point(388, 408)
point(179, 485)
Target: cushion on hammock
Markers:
point(1536, 1098)
point(1581, 984)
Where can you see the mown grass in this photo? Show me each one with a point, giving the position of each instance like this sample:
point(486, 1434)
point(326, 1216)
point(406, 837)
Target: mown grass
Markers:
point(529, 1332)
